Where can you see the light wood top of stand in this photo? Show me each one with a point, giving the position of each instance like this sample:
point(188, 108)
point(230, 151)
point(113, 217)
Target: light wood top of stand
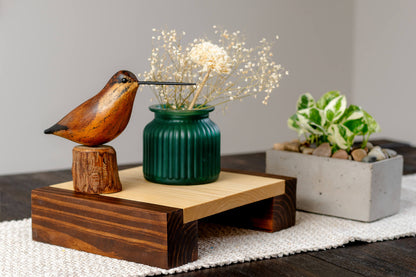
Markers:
point(231, 190)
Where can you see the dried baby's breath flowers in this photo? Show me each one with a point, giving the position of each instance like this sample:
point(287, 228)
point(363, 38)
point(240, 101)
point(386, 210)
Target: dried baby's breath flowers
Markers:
point(224, 71)
point(211, 57)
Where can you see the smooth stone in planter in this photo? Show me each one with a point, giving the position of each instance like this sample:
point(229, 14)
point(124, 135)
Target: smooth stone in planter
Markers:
point(342, 188)
point(308, 150)
point(292, 146)
point(369, 146)
point(340, 154)
point(378, 153)
point(369, 159)
point(389, 153)
point(323, 150)
point(279, 146)
point(358, 154)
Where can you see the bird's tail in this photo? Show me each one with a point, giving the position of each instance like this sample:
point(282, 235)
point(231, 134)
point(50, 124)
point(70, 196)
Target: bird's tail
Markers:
point(55, 128)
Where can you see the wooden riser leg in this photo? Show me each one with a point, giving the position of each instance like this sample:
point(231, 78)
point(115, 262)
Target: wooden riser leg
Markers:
point(271, 215)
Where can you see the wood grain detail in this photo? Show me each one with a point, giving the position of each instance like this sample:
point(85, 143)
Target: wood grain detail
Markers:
point(122, 229)
point(198, 201)
point(148, 233)
point(94, 169)
point(103, 117)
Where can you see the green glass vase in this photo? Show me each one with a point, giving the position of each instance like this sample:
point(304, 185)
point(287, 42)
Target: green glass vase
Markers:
point(181, 147)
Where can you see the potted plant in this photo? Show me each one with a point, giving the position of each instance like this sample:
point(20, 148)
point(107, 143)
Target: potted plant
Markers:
point(335, 175)
point(182, 145)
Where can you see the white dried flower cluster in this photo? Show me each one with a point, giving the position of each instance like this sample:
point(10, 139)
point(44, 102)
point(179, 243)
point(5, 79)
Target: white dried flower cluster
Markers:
point(236, 71)
point(211, 57)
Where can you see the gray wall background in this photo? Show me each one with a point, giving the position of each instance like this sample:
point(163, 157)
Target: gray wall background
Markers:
point(56, 54)
point(384, 65)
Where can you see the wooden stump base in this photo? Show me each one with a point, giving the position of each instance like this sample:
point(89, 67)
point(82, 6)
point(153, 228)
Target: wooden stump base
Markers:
point(94, 169)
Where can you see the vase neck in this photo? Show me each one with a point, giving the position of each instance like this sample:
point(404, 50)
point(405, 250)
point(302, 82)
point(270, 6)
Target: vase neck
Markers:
point(168, 114)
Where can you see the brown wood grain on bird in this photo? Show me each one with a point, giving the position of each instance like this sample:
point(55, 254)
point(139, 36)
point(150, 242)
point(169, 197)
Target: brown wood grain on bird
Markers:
point(103, 117)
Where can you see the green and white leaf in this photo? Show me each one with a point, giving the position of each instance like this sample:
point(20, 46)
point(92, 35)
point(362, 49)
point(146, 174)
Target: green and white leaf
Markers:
point(293, 123)
point(357, 126)
point(353, 112)
point(373, 126)
point(355, 120)
point(341, 136)
point(305, 101)
point(326, 98)
point(335, 108)
point(312, 120)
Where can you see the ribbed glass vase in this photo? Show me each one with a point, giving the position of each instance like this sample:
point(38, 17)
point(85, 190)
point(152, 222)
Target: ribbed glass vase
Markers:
point(181, 147)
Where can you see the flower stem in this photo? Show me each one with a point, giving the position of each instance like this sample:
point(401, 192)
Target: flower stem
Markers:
point(199, 89)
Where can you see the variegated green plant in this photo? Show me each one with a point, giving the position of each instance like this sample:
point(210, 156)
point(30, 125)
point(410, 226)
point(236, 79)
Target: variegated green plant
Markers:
point(330, 120)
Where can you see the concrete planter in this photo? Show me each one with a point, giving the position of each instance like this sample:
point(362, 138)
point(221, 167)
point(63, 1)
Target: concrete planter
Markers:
point(342, 188)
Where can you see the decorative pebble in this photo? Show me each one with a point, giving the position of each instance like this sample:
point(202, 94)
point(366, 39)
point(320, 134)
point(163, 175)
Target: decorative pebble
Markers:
point(308, 150)
point(292, 146)
point(323, 150)
point(279, 146)
point(340, 154)
point(389, 153)
point(369, 146)
point(358, 154)
point(378, 153)
point(369, 159)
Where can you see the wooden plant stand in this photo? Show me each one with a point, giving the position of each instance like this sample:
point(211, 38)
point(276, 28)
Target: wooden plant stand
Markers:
point(158, 224)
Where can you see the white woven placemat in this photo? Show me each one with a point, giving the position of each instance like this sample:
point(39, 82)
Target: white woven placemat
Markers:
point(218, 245)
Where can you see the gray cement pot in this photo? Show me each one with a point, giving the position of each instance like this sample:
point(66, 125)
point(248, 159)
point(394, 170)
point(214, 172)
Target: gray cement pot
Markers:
point(342, 188)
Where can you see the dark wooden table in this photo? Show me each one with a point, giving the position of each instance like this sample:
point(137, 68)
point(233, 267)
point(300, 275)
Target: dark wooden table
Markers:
point(387, 258)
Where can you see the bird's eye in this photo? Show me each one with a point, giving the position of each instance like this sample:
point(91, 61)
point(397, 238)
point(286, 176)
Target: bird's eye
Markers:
point(124, 80)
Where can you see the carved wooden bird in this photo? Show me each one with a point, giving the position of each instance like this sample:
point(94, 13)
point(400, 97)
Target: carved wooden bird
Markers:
point(103, 117)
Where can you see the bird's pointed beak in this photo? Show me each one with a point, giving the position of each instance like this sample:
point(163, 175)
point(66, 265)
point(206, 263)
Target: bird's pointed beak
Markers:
point(166, 83)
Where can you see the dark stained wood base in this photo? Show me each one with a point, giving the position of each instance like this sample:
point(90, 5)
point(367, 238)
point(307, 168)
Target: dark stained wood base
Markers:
point(141, 232)
point(116, 228)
